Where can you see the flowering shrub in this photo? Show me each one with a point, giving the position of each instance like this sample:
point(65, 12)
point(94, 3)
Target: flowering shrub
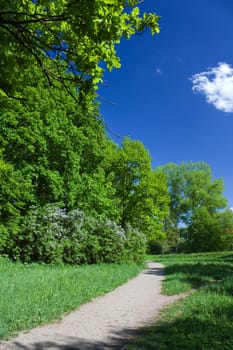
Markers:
point(135, 244)
point(53, 235)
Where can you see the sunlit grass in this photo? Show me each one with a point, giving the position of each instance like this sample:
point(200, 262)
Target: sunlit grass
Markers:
point(191, 271)
point(34, 294)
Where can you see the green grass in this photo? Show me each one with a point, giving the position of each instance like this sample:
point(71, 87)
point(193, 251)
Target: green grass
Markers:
point(35, 294)
point(191, 271)
point(202, 321)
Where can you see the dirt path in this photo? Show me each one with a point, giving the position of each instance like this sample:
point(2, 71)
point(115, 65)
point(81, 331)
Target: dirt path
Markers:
point(105, 323)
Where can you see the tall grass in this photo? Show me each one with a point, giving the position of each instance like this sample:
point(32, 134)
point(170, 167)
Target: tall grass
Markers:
point(204, 320)
point(34, 294)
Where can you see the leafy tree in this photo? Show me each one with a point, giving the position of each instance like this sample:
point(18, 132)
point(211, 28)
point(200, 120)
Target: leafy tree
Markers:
point(152, 205)
point(193, 194)
point(204, 232)
point(225, 220)
point(56, 146)
point(71, 41)
point(14, 192)
point(191, 185)
point(141, 193)
point(201, 190)
point(175, 189)
point(210, 232)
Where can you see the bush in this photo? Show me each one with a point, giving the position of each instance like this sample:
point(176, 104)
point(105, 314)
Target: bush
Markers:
point(135, 244)
point(52, 235)
point(4, 236)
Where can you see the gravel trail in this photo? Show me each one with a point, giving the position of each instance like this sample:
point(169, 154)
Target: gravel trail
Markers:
point(106, 322)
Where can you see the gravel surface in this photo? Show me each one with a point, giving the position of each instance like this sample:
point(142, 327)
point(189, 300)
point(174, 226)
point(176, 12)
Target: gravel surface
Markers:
point(105, 323)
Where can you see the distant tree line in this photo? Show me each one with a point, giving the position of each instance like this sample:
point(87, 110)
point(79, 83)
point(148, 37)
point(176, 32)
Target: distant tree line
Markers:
point(199, 217)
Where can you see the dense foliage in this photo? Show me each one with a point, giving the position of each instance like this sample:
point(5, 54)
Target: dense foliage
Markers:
point(71, 41)
point(140, 192)
point(68, 193)
point(198, 217)
point(54, 145)
point(110, 199)
point(52, 235)
point(57, 157)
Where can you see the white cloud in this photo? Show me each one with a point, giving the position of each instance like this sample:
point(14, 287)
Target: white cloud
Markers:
point(217, 86)
point(158, 71)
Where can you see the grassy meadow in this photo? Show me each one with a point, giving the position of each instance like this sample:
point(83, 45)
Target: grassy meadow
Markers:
point(202, 321)
point(34, 294)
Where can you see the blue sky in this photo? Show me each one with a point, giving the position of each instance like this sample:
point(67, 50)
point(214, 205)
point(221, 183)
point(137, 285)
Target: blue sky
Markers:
point(174, 91)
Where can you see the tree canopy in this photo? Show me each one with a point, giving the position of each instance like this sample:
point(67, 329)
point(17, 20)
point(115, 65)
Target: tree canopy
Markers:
point(71, 41)
point(141, 193)
point(63, 159)
point(191, 185)
point(53, 144)
point(196, 200)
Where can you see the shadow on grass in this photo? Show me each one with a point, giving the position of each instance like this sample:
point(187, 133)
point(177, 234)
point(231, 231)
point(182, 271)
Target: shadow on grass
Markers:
point(188, 333)
point(198, 274)
point(118, 340)
point(226, 257)
point(157, 271)
point(202, 322)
